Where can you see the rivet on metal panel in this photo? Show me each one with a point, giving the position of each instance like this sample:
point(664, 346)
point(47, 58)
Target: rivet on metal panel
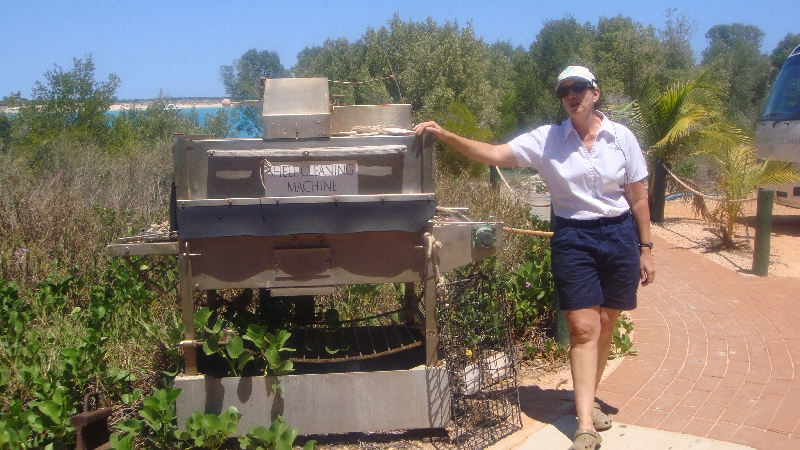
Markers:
point(306, 153)
point(321, 239)
point(383, 199)
point(196, 287)
point(210, 153)
point(230, 203)
point(127, 251)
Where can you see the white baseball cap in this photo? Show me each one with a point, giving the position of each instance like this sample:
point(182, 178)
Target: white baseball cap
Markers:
point(578, 73)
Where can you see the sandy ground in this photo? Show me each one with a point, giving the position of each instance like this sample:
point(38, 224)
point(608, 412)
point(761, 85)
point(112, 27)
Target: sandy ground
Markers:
point(681, 227)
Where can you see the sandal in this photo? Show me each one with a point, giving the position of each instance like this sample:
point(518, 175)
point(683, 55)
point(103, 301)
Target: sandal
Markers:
point(600, 419)
point(585, 439)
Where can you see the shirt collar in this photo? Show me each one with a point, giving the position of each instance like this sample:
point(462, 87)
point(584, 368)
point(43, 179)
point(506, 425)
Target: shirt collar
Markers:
point(605, 125)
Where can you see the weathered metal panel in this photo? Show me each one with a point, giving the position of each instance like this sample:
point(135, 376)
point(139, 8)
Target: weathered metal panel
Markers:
point(295, 108)
point(303, 215)
point(302, 263)
point(388, 172)
point(326, 403)
point(245, 261)
point(349, 118)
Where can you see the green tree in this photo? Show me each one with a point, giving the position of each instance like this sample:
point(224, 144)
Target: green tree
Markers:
point(628, 55)
point(458, 119)
point(242, 82)
point(734, 52)
point(157, 123)
point(679, 59)
point(504, 58)
point(433, 66)
point(241, 79)
point(71, 102)
point(341, 61)
point(670, 123)
point(219, 125)
point(560, 43)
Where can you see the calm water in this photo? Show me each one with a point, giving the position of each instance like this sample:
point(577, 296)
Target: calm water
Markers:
point(201, 113)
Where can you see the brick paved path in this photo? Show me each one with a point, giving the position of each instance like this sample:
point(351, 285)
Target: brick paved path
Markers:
point(717, 355)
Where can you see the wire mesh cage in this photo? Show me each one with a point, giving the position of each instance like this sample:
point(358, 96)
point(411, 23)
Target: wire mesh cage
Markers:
point(475, 328)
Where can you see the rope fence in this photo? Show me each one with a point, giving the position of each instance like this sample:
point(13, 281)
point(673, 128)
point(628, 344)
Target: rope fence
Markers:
point(698, 193)
point(528, 232)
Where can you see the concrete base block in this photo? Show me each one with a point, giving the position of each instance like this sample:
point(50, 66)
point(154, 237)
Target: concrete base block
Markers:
point(326, 403)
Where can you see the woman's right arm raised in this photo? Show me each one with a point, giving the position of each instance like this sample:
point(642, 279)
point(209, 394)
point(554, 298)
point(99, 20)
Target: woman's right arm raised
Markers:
point(495, 155)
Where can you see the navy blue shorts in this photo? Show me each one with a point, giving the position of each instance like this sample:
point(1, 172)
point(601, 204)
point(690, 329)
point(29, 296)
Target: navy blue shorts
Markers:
point(596, 262)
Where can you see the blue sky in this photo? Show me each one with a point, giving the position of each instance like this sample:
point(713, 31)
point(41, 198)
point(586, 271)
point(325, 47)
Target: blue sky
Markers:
point(178, 46)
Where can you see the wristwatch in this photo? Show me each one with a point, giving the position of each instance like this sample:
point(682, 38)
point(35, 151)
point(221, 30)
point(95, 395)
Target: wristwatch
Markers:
point(646, 244)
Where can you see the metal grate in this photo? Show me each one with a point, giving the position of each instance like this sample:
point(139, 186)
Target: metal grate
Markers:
point(474, 318)
point(357, 339)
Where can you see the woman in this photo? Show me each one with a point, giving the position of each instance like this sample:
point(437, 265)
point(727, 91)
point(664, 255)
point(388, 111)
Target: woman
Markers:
point(594, 170)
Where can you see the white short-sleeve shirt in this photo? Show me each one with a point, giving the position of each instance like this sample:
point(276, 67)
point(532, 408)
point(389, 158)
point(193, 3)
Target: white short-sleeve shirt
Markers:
point(583, 185)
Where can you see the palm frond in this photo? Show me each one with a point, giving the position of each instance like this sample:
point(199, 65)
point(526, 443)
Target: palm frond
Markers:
point(740, 173)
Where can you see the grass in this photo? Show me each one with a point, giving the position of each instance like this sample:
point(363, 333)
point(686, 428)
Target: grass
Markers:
point(56, 217)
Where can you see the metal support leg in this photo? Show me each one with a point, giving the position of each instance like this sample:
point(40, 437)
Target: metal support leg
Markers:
point(187, 309)
point(431, 330)
point(429, 297)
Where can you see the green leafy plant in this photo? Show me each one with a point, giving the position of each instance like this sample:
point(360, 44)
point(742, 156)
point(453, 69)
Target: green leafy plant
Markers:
point(271, 346)
point(50, 418)
point(279, 436)
point(14, 426)
point(210, 430)
point(223, 342)
point(621, 343)
point(530, 289)
point(156, 424)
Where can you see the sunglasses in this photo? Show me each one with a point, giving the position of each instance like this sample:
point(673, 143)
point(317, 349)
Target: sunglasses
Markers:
point(578, 87)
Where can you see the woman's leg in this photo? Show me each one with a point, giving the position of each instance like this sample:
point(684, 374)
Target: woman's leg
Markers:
point(584, 326)
point(608, 321)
